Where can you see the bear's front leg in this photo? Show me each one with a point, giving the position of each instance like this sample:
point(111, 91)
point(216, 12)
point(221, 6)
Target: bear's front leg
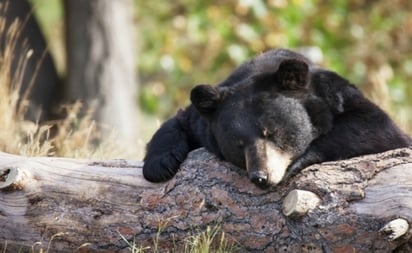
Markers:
point(165, 152)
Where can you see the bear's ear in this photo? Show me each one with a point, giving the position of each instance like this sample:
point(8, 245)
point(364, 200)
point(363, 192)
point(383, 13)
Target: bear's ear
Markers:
point(205, 98)
point(293, 74)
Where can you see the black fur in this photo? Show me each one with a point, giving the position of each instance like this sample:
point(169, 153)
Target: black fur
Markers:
point(278, 97)
point(359, 127)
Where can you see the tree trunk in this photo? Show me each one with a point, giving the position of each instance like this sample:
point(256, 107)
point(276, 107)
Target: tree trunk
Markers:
point(101, 61)
point(357, 205)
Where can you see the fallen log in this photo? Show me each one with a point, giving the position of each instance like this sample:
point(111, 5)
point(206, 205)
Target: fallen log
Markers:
point(63, 205)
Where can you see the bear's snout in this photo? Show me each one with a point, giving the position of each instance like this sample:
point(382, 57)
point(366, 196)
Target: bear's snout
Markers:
point(266, 164)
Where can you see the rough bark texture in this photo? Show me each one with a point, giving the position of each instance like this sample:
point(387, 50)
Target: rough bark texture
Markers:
point(73, 202)
point(101, 61)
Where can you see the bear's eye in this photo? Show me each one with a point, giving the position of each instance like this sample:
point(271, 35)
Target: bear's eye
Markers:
point(240, 143)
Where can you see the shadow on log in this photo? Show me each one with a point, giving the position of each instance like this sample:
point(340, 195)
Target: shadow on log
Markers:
point(359, 205)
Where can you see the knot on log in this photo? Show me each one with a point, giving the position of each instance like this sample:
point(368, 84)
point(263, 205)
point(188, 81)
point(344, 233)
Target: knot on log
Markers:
point(395, 229)
point(11, 178)
point(298, 202)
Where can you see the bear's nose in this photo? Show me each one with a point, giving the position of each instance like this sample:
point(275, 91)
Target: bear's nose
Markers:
point(259, 178)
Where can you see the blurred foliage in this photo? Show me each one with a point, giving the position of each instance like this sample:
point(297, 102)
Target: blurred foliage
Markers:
point(186, 42)
point(49, 14)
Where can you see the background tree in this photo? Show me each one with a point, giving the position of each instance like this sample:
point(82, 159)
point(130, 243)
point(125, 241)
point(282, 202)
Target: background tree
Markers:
point(100, 61)
point(26, 61)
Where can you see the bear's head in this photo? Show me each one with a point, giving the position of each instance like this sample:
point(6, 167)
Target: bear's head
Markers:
point(261, 123)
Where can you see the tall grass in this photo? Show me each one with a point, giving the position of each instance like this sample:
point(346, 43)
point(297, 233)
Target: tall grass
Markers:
point(16, 135)
point(76, 135)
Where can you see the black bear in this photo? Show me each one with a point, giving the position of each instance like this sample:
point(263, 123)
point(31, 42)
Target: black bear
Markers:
point(274, 115)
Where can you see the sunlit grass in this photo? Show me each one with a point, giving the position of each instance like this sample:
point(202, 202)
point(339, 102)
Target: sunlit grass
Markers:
point(75, 135)
point(211, 240)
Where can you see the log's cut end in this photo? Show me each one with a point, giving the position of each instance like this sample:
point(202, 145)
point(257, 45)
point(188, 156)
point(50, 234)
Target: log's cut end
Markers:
point(11, 178)
point(298, 202)
point(395, 229)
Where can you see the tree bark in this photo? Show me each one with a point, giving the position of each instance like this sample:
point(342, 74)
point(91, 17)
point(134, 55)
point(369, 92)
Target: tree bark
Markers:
point(363, 205)
point(101, 61)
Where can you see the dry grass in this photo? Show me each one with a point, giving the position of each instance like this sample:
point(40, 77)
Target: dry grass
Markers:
point(16, 135)
point(74, 136)
point(212, 239)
